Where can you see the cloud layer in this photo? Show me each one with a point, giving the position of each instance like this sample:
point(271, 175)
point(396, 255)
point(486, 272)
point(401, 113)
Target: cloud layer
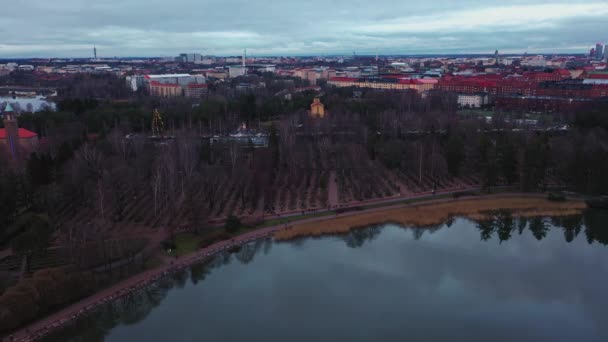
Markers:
point(31, 28)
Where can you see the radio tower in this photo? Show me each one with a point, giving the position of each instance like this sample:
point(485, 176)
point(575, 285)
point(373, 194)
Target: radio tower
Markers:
point(244, 57)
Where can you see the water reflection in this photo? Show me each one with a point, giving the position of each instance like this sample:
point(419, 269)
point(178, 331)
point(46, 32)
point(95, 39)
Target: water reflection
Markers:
point(28, 104)
point(503, 225)
point(492, 280)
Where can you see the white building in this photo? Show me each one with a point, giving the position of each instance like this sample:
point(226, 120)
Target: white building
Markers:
point(537, 61)
point(266, 68)
point(135, 82)
point(236, 71)
point(206, 61)
point(180, 79)
point(473, 100)
point(506, 60)
point(597, 81)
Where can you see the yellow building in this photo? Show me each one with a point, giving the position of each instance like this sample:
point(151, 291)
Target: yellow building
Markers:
point(165, 89)
point(390, 84)
point(317, 109)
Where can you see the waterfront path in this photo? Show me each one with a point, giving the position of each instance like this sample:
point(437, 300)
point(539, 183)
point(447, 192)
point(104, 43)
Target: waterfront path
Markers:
point(86, 306)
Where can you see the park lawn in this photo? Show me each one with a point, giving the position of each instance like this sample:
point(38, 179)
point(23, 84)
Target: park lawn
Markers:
point(289, 219)
point(407, 201)
point(475, 112)
point(186, 243)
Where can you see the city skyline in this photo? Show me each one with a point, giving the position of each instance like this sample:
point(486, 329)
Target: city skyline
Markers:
point(70, 28)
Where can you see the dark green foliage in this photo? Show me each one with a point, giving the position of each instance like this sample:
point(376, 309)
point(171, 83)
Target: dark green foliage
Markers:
point(212, 238)
point(35, 236)
point(232, 224)
point(488, 164)
point(534, 166)
point(273, 144)
point(39, 170)
point(168, 244)
point(392, 153)
point(508, 161)
point(77, 105)
point(454, 154)
point(47, 290)
point(555, 197)
point(538, 227)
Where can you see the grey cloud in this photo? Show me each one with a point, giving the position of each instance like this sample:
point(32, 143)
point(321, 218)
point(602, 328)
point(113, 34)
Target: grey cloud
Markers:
point(159, 27)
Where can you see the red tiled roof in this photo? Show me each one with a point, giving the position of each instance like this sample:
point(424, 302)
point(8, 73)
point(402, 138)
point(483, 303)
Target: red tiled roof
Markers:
point(197, 85)
point(407, 81)
point(394, 76)
point(168, 85)
point(343, 79)
point(23, 133)
point(417, 81)
point(598, 76)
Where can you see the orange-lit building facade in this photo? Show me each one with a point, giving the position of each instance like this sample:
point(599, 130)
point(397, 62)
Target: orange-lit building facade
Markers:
point(317, 109)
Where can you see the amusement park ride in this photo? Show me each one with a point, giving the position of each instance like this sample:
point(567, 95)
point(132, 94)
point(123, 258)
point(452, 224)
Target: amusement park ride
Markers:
point(157, 124)
point(158, 127)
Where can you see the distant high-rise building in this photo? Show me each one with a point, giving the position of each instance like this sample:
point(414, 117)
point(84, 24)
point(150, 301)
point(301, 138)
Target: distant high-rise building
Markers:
point(189, 58)
point(496, 57)
point(94, 52)
point(606, 52)
point(592, 53)
point(599, 51)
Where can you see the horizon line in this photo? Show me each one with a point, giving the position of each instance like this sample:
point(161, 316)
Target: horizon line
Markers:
point(371, 55)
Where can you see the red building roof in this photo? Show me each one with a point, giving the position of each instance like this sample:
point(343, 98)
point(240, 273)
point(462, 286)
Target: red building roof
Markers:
point(598, 76)
point(23, 133)
point(168, 85)
point(397, 76)
point(417, 81)
point(343, 79)
point(197, 85)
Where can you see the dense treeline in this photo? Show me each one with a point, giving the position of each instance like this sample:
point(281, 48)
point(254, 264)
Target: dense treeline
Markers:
point(46, 290)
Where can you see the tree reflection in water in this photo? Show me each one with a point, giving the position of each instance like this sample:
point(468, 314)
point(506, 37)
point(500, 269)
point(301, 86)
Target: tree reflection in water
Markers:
point(130, 309)
point(501, 225)
point(358, 237)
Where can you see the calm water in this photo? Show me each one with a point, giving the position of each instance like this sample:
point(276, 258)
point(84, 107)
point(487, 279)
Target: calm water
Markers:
point(38, 103)
point(505, 280)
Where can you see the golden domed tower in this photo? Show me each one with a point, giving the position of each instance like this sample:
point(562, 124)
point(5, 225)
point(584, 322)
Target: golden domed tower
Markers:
point(317, 109)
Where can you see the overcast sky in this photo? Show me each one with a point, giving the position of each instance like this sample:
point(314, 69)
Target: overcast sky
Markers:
point(60, 28)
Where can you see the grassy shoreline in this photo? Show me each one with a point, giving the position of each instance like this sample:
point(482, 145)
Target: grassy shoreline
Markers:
point(429, 214)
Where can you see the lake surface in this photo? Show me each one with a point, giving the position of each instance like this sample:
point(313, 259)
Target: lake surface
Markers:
point(540, 279)
point(38, 102)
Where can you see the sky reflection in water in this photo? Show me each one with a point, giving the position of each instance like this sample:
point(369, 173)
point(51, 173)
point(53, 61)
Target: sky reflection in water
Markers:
point(384, 283)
